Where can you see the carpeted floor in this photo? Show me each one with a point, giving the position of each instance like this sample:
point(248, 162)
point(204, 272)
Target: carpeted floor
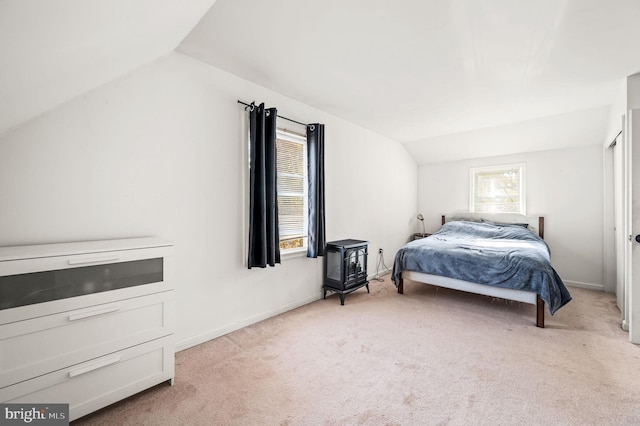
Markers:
point(428, 357)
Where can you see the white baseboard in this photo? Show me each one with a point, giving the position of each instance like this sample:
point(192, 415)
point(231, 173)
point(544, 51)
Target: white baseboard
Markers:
point(381, 274)
point(589, 286)
point(212, 334)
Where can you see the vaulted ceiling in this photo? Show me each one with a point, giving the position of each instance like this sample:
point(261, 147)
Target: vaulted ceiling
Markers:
point(413, 70)
point(53, 51)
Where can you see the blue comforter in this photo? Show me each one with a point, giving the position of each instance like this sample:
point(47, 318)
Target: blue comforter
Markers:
point(507, 256)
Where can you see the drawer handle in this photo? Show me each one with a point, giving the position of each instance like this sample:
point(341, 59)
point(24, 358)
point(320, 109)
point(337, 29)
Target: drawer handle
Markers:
point(105, 362)
point(86, 260)
point(87, 314)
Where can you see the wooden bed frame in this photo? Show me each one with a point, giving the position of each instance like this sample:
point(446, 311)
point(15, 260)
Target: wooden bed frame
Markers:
point(536, 224)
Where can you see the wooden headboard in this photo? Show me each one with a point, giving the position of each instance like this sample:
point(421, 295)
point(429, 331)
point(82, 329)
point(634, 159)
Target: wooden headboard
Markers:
point(535, 224)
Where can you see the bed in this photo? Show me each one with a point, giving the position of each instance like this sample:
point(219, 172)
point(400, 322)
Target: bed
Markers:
point(497, 255)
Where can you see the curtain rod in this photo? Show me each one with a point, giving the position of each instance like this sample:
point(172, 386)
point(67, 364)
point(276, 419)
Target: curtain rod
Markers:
point(253, 105)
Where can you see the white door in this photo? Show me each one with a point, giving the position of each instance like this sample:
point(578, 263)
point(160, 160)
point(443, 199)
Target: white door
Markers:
point(633, 267)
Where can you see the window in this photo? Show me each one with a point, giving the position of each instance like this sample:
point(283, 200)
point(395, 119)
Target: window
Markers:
point(498, 189)
point(291, 151)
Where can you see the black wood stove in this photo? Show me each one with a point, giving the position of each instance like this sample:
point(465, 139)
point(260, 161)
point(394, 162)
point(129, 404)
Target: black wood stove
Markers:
point(345, 267)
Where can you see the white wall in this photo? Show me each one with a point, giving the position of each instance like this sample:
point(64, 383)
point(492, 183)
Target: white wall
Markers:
point(617, 110)
point(633, 91)
point(575, 128)
point(161, 152)
point(564, 186)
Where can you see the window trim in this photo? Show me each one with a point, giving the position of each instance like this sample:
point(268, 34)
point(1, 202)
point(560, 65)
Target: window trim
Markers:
point(522, 186)
point(291, 136)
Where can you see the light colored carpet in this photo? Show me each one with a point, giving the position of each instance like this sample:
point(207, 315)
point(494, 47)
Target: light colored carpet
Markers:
point(428, 357)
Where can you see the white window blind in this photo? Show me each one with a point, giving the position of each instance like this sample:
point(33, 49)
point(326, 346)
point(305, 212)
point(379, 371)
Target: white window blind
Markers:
point(498, 189)
point(292, 190)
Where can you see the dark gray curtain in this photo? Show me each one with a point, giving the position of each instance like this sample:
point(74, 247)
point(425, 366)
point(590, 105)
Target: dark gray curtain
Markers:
point(315, 152)
point(264, 243)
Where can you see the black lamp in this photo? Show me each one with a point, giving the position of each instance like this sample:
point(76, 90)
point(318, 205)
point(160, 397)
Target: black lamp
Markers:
point(421, 219)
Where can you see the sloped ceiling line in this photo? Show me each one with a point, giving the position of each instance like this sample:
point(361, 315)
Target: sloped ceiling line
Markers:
point(412, 70)
point(53, 51)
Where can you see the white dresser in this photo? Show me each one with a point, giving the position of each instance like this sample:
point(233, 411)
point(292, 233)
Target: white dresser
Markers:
point(85, 323)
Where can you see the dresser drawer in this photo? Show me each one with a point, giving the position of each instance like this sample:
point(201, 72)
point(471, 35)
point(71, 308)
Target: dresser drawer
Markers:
point(36, 346)
point(26, 285)
point(91, 256)
point(91, 385)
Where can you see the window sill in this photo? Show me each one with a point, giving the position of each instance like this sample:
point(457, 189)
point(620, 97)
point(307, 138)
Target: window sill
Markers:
point(291, 254)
